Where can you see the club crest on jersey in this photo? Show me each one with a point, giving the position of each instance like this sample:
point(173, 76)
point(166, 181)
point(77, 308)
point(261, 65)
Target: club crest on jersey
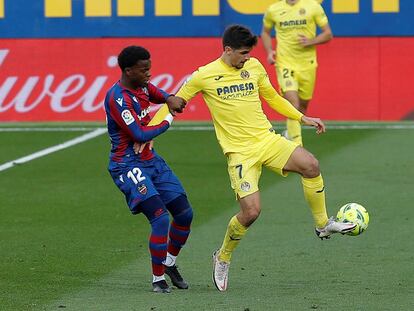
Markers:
point(142, 189)
point(302, 11)
point(127, 117)
point(245, 186)
point(245, 74)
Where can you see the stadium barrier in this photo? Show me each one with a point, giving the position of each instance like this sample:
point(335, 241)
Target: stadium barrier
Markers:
point(66, 79)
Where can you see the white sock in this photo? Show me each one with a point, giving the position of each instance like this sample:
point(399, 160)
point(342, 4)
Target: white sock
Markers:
point(156, 278)
point(170, 260)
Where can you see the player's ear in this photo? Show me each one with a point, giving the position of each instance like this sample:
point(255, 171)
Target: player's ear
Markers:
point(127, 70)
point(228, 49)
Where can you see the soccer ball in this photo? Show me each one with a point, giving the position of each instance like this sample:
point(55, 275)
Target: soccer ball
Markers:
point(355, 213)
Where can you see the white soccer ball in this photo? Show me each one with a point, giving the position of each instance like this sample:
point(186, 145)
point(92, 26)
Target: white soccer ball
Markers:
point(355, 213)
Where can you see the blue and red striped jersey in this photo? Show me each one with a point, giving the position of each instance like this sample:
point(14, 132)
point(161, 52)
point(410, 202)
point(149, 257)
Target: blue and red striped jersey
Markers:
point(127, 116)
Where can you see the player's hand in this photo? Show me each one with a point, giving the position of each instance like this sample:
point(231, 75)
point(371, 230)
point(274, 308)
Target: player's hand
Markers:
point(315, 122)
point(176, 104)
point(305, 41)
point(271, 57)
point(139, 147)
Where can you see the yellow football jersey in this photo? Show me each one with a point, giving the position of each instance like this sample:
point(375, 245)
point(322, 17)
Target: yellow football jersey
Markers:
point(289, 21)
point(232, 96)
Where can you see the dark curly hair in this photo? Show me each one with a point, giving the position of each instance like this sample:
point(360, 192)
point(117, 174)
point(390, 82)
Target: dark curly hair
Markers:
point(130, 55)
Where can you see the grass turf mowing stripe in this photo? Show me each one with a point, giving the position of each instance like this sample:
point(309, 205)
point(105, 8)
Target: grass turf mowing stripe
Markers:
point(52, 149)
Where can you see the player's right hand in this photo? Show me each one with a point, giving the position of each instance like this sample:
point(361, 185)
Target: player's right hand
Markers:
point(139, 147)
point(271, 57)
point(176, 104)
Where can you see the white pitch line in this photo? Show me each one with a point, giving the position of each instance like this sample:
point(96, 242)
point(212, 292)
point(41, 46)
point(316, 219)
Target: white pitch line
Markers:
point(52, 149)
point(48, 129)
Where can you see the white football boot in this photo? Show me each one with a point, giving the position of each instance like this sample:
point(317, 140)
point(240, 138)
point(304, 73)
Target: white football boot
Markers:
point(220, 272)
point(333, 226)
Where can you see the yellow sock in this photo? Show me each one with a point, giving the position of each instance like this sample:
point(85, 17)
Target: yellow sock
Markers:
point(314, 191)
point(235, 231)
point(294, 131)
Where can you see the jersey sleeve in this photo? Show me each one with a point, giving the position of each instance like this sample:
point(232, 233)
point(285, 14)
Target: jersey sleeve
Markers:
point(123, 113)
point(160, 115)
point(268, 22)
point(156, 95)
point(320, 17)
point(191, 87)
point(275, 101)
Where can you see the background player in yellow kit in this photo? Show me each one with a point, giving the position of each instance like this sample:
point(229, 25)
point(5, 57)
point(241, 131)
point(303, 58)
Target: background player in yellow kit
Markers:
point(231, 86)
point(295, 23)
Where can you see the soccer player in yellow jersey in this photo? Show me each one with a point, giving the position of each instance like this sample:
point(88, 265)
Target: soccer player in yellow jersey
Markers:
point(231, 86)
point(295, 22)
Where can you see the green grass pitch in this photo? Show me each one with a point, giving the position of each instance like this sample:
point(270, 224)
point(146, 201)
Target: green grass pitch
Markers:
point(68, 241)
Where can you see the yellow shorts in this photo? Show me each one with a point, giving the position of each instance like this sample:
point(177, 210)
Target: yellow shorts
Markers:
point(245, 168)
point(302, 81)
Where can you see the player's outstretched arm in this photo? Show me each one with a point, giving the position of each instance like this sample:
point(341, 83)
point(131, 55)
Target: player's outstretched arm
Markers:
point(160, 115)
point(315, 122)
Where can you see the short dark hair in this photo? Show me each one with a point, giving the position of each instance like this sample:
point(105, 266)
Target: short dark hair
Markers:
point(238, 36)
point(130, 55)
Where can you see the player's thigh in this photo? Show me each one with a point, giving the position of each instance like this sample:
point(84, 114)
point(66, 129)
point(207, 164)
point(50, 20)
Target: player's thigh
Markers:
point(135, 183)
point(166, 182)
point(278, 152)
point(244, 172)
point(286, 78)
point(306, 81)
point(303, 162)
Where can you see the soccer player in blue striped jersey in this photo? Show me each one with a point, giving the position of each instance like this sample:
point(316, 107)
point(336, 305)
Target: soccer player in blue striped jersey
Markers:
point(149, 185)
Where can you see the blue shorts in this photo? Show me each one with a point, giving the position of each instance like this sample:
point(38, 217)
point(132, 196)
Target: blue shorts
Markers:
point(141, 180)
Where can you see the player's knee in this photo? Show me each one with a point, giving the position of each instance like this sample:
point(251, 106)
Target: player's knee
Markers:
point(185, 217)
point(250, 215)
point(312, 168)
point(181, 210)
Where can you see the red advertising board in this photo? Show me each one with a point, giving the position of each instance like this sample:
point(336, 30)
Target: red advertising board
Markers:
point(66, 79)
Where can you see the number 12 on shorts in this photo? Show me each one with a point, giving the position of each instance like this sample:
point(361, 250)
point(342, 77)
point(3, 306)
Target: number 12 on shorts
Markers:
point(135, 175)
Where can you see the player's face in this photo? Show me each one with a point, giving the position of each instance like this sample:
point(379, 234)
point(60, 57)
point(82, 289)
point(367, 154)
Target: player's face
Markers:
point(239, 56)
point(140, 73)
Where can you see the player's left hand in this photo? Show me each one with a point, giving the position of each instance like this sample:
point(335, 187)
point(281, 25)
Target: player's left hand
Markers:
point(176, 104)
point(304, 41)
point(139, 147)
point(315, 122)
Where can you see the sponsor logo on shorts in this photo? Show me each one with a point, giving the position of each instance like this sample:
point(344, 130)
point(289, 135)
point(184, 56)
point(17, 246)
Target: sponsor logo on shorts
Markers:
point(245, 186)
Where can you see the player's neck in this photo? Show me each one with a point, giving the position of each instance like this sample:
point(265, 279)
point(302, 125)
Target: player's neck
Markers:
point(292, 2)
point(226, 60)
point(127, 84)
